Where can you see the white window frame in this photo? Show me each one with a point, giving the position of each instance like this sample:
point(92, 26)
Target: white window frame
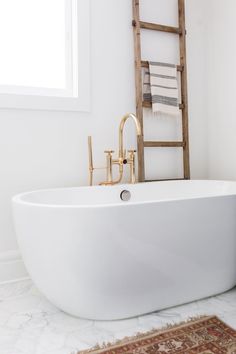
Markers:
point(77, 95)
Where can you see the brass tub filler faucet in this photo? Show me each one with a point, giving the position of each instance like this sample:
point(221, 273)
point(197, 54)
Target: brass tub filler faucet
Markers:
point(121, 160)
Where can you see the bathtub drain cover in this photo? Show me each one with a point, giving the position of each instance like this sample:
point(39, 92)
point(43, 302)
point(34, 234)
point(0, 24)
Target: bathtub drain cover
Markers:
point(125, 196)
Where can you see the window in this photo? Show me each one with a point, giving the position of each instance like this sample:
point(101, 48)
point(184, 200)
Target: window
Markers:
point(44, 61)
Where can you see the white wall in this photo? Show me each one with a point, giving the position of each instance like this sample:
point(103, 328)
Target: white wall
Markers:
point(221, 88)
point(41, 149)
point(196, 49)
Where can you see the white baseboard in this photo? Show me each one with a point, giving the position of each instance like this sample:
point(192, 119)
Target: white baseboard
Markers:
point(12, 267)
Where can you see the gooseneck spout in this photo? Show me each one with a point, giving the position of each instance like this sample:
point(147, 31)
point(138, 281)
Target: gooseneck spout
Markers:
point(121, 132)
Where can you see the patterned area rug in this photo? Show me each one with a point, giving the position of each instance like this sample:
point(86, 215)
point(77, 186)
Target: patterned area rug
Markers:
point(207, 335)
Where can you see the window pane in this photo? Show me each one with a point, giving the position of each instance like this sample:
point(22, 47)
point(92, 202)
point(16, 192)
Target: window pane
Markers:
point(33, 43)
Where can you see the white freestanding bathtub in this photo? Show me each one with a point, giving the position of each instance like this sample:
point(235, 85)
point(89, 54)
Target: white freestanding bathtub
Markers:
point(96, 256)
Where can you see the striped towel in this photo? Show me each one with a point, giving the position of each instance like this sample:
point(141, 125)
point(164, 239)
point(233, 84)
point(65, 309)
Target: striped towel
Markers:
point(160, 85)
point(147, 96)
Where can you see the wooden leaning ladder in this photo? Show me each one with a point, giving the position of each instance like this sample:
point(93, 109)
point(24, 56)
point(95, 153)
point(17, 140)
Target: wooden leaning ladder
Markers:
point(140, 104)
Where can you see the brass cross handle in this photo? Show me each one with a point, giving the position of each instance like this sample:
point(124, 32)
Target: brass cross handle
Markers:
point(132, 151)
point(109, 152)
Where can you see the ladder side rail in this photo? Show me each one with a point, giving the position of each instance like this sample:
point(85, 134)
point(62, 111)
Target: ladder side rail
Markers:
point(184, 89)
point(138, 88)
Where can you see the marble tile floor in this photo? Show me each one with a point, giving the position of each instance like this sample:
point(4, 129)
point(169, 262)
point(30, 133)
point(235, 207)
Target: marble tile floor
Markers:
point(29, 324)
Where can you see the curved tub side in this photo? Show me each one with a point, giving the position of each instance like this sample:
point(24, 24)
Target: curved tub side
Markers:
point(112, 263)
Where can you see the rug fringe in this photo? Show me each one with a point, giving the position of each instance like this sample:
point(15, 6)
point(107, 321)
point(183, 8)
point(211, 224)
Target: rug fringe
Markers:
point(140, 335)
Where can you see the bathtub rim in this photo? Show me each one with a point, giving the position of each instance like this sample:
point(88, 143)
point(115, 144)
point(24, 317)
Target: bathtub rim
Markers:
point(18, 198)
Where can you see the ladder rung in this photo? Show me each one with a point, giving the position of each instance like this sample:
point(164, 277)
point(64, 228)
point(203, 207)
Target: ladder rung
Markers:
point(157, 27)
point(145, 64)
point(147, 104)
point(163, 144)
point(165, 180)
